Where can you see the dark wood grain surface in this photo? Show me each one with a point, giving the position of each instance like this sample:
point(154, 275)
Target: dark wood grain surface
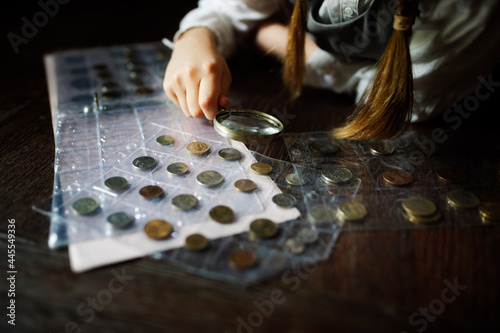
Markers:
point(373, 281)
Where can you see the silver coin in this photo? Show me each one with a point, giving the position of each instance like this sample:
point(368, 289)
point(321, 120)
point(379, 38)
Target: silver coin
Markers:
point(292, 246)
point(306, 236)
point(381, 148)
point(185, 201)
point(285, 200)
point(336, 175)
point(177, 168)
point(144, 162)
point(229, 154)
point(120, 219)
point(116, 183)
point(209, 178)
point(295, 179)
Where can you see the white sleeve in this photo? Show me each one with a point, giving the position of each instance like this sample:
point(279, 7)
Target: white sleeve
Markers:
point(229, 20)
point(453, 49)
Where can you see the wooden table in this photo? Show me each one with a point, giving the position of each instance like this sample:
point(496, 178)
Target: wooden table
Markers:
point(374, 281)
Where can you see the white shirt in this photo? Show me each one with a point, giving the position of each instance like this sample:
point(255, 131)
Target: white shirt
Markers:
point(454, 44)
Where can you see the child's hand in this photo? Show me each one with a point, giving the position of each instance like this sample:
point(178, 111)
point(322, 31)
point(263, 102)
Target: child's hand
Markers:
point(197, 77)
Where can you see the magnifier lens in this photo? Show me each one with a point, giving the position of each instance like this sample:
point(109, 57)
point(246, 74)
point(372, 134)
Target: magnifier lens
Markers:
point(247, 125)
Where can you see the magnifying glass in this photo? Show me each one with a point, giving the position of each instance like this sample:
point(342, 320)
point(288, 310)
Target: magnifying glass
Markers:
point(249, 126)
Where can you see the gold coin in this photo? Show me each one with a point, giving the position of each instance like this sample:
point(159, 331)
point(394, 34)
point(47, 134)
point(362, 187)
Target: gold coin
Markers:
point(198, 148)
point(490, 210)
point(352, 211)
point(263, 228)
point(196, 242)
point(221, 214)
point(242, 258)
point(418, 206)
point(451, 175)
point(423, 219)
point(150, 192)
point(261, 168)
point(245, 185)
point(462, 199)
point(158, 229)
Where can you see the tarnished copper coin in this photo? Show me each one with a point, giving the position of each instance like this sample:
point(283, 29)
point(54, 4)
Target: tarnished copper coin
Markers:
point(221, 214)
point(245, 185)
point(196, 242)
point(397, 177)
point(451, 175)
point(150, 192)
point(242, 258)
point(158, 229)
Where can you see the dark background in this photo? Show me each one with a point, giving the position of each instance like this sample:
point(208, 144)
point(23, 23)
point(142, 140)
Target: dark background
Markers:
point(371, 282)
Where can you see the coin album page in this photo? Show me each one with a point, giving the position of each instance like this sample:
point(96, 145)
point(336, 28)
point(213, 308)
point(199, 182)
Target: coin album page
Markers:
point(384, 199)
point(108, 110)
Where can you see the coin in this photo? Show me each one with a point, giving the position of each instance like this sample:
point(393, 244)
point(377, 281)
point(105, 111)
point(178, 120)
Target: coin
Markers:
point(306, 236)
point(418, 206)
point(245, 185)
point(261, 168)
point(150, 192)
point(336, 175)
point(462, 199)
point(423, 219)
point(85, 206)
point(198, 148)
point(451, 175)
point(221, 214)
point(144, 162)
point(397, 177)
point(490, 210)
point(352, 210)
point(263, 228)
point(292, 246)
point(116, 183)
point(120, 219)
point(324, 147)
point(296, 180)
point(185, 201)
point(381, 148)
point(158, 229)
point(196, 242)
point(177, 168)
point(284, 200)
point(209, 178)
point(165, 140)
point(321, 213)
point(242, 258)
point(229, 154)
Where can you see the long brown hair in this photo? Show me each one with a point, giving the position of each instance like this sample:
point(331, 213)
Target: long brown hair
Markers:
point(385, 109)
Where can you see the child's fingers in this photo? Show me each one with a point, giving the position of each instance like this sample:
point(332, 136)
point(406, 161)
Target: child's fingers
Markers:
point(209, 95)
point(192, 92)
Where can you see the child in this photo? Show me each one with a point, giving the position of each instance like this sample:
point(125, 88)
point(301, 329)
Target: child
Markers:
point(403, 60)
